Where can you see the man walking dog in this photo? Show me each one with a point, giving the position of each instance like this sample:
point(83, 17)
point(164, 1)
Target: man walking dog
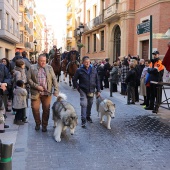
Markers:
point(88, 82)
point(42, 80)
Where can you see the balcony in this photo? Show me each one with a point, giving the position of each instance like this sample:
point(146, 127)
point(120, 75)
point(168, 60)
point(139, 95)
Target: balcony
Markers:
point(27, 45)
point(112, 12)
point(75, 33)
point(94, 23)
point(27, 29)
point(27, 17)
point(8, 34)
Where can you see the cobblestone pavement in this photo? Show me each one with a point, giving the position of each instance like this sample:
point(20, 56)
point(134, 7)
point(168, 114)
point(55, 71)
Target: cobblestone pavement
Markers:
point(137, 141)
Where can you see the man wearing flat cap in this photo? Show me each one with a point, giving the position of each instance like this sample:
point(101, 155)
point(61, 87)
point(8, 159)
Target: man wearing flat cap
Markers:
point(155, 70)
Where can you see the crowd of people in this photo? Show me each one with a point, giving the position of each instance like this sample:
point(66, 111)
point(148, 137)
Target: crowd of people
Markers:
point(135, 75)
point(20, 76)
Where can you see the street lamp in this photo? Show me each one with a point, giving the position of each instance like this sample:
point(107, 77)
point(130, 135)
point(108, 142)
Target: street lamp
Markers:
point(80, 31)
point(35, 43)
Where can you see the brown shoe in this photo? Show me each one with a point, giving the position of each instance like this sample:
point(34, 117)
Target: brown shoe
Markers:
point(37, 127)
point(44, 129)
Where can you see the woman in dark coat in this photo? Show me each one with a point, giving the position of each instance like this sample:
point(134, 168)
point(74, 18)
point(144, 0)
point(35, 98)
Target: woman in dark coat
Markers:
point(114, 78)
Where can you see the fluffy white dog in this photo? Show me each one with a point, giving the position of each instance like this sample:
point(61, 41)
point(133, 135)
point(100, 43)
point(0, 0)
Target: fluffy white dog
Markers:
point(64, 116)
point(105, 107)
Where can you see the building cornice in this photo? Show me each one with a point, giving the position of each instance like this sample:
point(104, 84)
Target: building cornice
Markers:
point(151, 5)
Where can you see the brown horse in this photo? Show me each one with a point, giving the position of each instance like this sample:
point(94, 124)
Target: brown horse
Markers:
point(56, 64)
point(72, 68)
point(63, 67)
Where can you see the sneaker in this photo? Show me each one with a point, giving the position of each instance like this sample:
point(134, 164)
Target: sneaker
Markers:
point(89, 119)
point(37, 127)
point(83, 123)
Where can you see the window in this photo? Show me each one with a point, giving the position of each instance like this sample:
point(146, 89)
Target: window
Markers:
point(12, 26)
point(88, 15)
point(88, 44)
point(102, 41)
point(7, 21)
point(21, 37)
point(16, 29)
point(94, 41)
point(95, 11)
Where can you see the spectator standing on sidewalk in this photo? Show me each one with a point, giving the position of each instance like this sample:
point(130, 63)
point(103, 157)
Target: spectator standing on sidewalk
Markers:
point(19, 102)
point(142, 82)
point(131, 83)
point(155, 71)
point(139, 68)
point(7, 95)
point(88, 82)
point(42, 81)
point(107, 68)
point(124, 71)
point(100, 71)
point(19, 74)
point(114, 78)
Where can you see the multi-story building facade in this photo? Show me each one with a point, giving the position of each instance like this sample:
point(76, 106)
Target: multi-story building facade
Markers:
point(70, 17)
point(50, 38)
point(110, 27)
point(9, 27)
point(38, 29)
point(25, 20)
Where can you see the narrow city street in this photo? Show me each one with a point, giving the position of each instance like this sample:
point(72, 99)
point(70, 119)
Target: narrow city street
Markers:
point(137, 141)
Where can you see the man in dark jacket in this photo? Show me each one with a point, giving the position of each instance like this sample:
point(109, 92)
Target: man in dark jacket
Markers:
point(88, 82)
point(107, 69)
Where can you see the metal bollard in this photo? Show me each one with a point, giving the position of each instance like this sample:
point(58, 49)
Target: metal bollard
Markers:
point(6, 156)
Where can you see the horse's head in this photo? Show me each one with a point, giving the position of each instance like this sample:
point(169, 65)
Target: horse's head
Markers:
point(57, 54)
point(73, 56)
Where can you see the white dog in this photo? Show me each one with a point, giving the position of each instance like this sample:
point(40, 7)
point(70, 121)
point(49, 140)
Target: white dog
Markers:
point(105, 107)
point(64, 115)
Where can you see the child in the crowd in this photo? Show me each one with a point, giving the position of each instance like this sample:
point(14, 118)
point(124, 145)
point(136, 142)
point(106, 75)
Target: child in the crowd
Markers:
point(131, 82)
point(19, 102)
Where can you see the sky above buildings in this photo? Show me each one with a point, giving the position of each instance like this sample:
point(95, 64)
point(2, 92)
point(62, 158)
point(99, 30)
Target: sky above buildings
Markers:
point(55, 13)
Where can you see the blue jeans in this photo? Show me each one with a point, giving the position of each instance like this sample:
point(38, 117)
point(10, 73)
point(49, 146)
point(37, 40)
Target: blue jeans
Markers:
point(86, 105)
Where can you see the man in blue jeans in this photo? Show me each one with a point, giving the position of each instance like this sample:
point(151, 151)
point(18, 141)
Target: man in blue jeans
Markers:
point(88, 82)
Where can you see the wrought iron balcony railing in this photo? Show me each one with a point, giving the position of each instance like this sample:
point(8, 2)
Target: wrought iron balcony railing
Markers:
point(94, 23)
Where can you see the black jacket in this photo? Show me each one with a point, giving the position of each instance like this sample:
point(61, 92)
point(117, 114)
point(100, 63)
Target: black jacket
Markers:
point(153, 72)
point(87, 82)
point(131, 77)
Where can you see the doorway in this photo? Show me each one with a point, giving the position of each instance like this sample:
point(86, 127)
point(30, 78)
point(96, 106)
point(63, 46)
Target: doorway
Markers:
point(145, 50)
point(117, 43)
